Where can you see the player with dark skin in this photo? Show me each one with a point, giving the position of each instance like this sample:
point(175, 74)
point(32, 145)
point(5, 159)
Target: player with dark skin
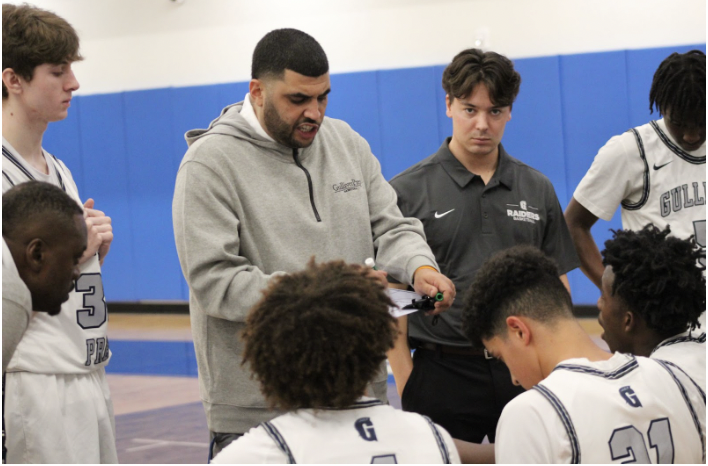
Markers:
point(45, 232)
point(651, 289)
point(678, 93)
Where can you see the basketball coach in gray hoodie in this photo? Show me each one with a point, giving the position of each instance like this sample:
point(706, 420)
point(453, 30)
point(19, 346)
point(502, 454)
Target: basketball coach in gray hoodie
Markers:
point(271, 183)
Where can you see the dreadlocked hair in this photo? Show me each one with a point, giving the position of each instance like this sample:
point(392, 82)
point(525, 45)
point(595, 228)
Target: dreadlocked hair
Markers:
point(657, 277)
point(679, 86)
point(318, 337)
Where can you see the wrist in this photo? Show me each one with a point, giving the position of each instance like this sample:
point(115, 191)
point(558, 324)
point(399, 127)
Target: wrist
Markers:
point(423, 267)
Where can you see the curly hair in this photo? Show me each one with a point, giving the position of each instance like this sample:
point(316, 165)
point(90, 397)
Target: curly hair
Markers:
point(473, 66)
point(657, 277)
point(32, 37)
point(679, 86)
point(318, 337)
point(519, 281)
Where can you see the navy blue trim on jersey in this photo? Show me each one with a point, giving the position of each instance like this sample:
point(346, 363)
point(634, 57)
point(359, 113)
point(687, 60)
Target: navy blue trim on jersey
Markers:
point(277, 437)
point(669, 363)
point(682, 339)
point(57, 167)
point(7, 178)
point(689, 405)
point(8, 155)
point(357, 405)
point(676, 149)
point(645, 190)
point(565, 419)
point(440, 441)
point(618, 373)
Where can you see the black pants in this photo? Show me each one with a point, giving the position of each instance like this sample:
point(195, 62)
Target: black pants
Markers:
point(464, 394)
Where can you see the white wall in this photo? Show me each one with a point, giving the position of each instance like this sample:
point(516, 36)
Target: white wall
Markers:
point(139, 44)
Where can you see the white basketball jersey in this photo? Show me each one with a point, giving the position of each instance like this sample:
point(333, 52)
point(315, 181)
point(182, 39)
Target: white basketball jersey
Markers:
point(674, 186)
point(75, 340)
point(367, 432)
point(625, 409)
point(687, 351)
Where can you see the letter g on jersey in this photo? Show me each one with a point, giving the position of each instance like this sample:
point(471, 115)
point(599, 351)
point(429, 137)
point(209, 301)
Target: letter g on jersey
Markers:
point(366, 429)
point(630, 397)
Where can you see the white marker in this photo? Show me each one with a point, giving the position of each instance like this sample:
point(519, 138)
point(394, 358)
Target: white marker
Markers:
point(369, 262)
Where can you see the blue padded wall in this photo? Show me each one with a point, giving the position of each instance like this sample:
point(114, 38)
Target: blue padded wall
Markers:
point(354, 99)
point(409, 120)
point(103, 144)
point(152, 167)
point(124, 149)
point(595, 107)
point(535, 133)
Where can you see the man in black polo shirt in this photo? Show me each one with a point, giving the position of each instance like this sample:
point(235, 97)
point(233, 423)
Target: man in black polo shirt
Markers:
point(474, 199)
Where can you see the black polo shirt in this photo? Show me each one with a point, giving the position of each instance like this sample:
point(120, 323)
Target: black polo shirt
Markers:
point(466, 222)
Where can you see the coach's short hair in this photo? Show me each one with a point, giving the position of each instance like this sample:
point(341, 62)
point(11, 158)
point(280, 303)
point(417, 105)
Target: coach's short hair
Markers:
point(657, 277)
point(36, 200)
point(318, 336)
point(288, 49)
point(32, 37)
point(679, 87)
point(472, 67)
point(519, 281)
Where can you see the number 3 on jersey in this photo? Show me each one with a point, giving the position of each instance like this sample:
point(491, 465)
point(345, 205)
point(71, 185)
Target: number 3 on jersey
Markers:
point(94, 312)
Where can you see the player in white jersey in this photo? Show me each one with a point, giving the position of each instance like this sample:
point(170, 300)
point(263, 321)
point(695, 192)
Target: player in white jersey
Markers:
point(43, 236)
point(582, 404)
point(652, 297)
point(57, 405)
point(656, 172)
point(314, 342)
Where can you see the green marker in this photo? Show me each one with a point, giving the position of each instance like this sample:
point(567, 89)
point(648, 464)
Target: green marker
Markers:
point(369, 262)
point(439, 296)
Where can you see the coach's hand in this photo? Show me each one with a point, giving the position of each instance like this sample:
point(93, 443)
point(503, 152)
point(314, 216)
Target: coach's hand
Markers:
point(99, 233)
point(429, 282)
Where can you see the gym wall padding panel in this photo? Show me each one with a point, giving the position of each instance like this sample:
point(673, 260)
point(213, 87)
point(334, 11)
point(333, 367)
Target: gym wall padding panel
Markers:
point(354, 99)
point(409, 123)
point(124, 149)
point(534, 134)
point(595, 107)
point(103, 148)
point(444, 122)
point(152, 168)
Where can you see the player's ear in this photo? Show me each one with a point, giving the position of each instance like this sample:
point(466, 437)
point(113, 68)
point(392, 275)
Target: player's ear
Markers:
point(11, 81)
point(518, 330)
point(629, 321)
point(35, 254)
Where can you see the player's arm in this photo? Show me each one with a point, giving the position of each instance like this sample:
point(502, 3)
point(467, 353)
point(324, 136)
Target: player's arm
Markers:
point(475, 453)
point(580, 220)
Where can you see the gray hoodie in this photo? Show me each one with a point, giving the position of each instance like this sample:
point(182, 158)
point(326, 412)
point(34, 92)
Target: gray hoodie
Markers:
point(245, 211)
